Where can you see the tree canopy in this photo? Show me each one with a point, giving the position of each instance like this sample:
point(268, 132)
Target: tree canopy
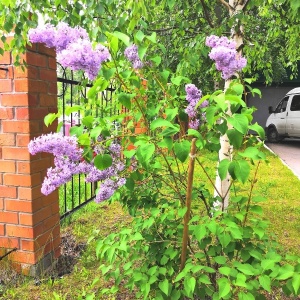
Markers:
point(270, 29)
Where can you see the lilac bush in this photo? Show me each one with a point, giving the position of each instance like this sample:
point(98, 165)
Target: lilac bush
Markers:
point(73, 47)
point(224, 53)
point(193, 95)
point(132, 55)
point(68, 162)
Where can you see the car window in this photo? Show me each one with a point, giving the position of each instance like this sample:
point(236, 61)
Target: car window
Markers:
point(281, 107)
point(295, 104)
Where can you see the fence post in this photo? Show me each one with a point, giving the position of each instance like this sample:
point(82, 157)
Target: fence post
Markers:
point(29, 221)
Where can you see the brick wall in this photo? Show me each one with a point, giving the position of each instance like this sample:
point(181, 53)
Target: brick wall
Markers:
point(29, 221)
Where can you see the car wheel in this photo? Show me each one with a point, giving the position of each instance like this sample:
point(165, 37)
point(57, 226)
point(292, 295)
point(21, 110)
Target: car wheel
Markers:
point(272, 135)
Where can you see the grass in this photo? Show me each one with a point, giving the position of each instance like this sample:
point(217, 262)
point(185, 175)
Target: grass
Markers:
point(276, 182)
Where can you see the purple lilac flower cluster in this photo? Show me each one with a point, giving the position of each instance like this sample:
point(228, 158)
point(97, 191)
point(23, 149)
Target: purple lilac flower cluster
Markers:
point(224, 53)
point(193, 95)
point(68, 162)
point(132, 55)
point(73, 47)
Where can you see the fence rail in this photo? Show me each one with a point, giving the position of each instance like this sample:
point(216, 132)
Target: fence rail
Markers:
point(71, 91)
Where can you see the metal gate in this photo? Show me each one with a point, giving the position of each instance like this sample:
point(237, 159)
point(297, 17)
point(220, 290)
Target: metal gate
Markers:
point(72, 91)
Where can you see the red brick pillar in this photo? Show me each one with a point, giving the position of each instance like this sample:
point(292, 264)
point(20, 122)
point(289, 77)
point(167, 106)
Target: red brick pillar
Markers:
point(29, 221)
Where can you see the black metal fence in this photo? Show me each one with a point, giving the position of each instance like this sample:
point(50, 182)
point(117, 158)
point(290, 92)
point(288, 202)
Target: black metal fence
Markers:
point(71, 92)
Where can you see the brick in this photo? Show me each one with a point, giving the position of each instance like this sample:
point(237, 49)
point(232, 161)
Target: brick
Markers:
point(52, 63)
point(9, 217)
point(5, 85)
point(6, 113)
point(34, 166)
point(35, 59)
point(51, 222)
point(48, 75)
point(48, 100)
point(23, 206)
point(25, 193)
point(45, 50)
point(22, 140)
point(24, 257)
point(7, 139)
point(1, 204)
point(9, 242)
point(26, 72)
point(32, 113)
point(20, 99)
point(7, 167)
point(20, 126)
point(23, 231)
point(28, 245)
point(52, 89)
point(51, 246)
point(15, 153)
point(30, 85)
point(5, 59)
point(21, 179)
point(7, 73)
point(8, 192)
point(50, 199)
point(2, 229)
point(37, 217)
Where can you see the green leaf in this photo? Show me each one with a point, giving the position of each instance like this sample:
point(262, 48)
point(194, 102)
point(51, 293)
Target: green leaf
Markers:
point(239, 122)
point(164, 286)
point(194, 132)
point(145, 152)
point(125, 99)
point(224, 287)
point(88, 121)
point(240, 170)
point(296, 283)
point(238, 88)
point(245, 296)
point(171, 113)
point(139, 36)
point(123, 37)
point(160, 123)
point(220, 260)
point(223, 168)
point(152, 37)
point(167, 142)
point(102, 161)
point(84, 139)
point(177, 80)
point(49, 119)
point(171, 3)
point(182, 150)
point(241, 280)
point(265, 282)
point(286, 272)
point(257, 128)
point(156, 60)
point(142, 51)
point(108, 73)
point(71, 109)
point(189, 285)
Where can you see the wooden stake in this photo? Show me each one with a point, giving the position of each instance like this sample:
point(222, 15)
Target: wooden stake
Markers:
point(188, 204)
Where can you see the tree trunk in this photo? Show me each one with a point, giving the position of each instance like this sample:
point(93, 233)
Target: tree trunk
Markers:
point(223, 186)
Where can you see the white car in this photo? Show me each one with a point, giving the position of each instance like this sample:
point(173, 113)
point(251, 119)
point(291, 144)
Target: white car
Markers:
point(284, 120)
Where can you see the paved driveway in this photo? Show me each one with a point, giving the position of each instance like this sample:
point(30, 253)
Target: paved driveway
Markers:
point(289, 152)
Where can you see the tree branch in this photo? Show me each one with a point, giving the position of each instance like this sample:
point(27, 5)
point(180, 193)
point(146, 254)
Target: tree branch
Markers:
point(208, 19)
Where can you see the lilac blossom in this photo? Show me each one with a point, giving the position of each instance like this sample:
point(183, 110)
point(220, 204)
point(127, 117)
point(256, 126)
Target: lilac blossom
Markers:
point(193, 95)
point(73, 47)
point(132, 55)
point(224, 53)
point(68, 162)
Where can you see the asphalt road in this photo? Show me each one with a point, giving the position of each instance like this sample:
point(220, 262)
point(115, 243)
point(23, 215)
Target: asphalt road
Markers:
point(289, 152)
